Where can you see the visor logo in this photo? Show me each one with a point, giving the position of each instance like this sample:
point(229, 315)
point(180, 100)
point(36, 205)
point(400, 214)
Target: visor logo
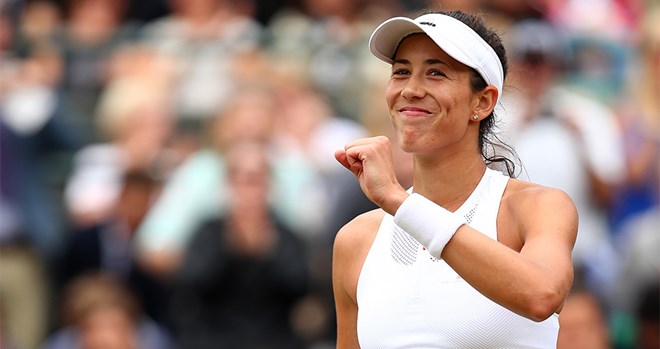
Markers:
point(428, 23)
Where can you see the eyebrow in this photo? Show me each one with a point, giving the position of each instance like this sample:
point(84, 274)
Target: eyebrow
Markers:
point(430, 61)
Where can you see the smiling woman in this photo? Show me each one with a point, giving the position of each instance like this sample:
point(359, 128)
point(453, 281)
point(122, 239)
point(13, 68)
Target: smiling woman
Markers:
point(467, 257)
point(446, 82)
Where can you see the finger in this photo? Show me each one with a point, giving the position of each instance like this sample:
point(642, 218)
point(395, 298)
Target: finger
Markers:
point(355, 156)
point(355, 164)
point(342, 158)
point(349, 159)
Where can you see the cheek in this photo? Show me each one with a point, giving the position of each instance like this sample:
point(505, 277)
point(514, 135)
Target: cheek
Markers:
point(391, 93)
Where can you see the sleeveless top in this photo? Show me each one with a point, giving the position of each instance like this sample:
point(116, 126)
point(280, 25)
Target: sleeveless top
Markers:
point(409, 299)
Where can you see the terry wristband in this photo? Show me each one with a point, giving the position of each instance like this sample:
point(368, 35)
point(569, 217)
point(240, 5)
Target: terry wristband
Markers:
point(429, 223)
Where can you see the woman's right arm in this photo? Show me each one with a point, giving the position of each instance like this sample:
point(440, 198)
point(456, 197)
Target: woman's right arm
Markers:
point(351, 247)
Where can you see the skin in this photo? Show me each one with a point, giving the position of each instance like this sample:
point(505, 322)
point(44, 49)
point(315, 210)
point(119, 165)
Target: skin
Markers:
point(431, 106)
point(108, 328)
point(251, 229)
point(582, 323)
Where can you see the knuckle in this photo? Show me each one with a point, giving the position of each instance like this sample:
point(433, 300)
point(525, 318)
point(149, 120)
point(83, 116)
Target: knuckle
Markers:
point(382, 140)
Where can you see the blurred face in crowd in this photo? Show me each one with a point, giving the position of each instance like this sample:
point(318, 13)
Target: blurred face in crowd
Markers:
point(332, 7)
point(250, 116)
point(192, 7)
point(302, 112)
point(108, 328)
point(40, 19)
point(538, 72)
point(581, 324)
point(98, 12)
point(249, 177)
point(426, 96)
point(151, 123)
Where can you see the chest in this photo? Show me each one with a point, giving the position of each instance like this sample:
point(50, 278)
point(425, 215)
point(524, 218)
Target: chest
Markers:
point(409, 299)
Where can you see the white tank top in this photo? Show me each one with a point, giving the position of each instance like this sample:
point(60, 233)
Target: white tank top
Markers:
point(409, 299)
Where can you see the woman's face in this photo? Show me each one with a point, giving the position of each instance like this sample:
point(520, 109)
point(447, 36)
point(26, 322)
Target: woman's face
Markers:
point(429, 97)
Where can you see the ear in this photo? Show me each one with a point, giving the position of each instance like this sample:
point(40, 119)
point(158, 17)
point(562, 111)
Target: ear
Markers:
point(485, 101)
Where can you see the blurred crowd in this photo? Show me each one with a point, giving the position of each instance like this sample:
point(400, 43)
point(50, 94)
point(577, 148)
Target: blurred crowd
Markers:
point(167, 172)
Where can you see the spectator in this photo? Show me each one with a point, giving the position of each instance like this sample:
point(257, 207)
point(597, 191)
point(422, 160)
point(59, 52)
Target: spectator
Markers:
point(108, 246)
point(252, 114)
point(635, 210)
point(308, 127)
point(325, 40)
point(242, 273)
point(39, 27)
point(185, 203)
point(583, 321)
point(578, 136)
point(203, 36)
point(639, 113)
point(34, 134)
point(134, 118)
point(101, 313)
point(93, 30)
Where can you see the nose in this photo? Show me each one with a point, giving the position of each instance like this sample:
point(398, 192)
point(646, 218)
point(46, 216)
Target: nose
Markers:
point(413, 89)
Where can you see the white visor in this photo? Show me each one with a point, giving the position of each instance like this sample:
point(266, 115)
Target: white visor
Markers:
point(451, 35)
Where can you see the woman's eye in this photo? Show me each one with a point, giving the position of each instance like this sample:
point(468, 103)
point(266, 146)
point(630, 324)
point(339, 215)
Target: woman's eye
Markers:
point(400, 71)
point(435, 72)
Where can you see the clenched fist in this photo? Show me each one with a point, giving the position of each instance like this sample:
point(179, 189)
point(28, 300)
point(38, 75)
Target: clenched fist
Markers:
point(370, 160)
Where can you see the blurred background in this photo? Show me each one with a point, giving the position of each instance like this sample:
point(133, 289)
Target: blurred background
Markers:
point(167, 172)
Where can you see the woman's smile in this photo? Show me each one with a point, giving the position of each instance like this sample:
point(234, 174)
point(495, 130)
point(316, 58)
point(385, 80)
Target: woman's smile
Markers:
point(414, 111)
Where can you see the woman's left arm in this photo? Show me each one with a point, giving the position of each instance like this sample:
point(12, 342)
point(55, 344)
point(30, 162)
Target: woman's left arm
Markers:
point(534, 281)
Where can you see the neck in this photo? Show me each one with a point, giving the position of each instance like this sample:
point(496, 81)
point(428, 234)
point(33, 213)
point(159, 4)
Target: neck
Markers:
point(448, 181)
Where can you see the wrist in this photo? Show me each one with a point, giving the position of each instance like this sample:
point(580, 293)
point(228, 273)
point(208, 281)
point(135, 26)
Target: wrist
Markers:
point(392, 202)
point(427, 222)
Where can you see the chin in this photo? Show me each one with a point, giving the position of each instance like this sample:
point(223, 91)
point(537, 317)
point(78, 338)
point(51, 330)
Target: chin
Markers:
point(408, 145)
point(408, 139)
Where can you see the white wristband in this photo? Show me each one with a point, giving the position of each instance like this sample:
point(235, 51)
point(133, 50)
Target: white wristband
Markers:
point(429, 223)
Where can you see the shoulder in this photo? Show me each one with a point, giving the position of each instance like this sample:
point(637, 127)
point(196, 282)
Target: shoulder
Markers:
point(359, 232)
point(351, 247)
point(535, 208)
point(523, 195)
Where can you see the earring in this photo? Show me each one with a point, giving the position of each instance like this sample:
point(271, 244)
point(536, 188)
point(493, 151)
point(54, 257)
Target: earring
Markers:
point(475, 117)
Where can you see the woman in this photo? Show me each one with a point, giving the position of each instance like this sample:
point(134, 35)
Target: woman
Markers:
point(467, 258)
point(243, 272)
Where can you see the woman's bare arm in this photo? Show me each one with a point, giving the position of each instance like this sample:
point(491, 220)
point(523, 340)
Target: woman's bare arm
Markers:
point(351, 247)
point(534, 281)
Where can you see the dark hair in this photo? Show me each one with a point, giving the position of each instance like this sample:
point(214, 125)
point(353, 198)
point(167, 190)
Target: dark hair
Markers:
point(489, 142)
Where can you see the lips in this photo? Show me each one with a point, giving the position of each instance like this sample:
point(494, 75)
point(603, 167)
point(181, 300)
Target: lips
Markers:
point(414, 111)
